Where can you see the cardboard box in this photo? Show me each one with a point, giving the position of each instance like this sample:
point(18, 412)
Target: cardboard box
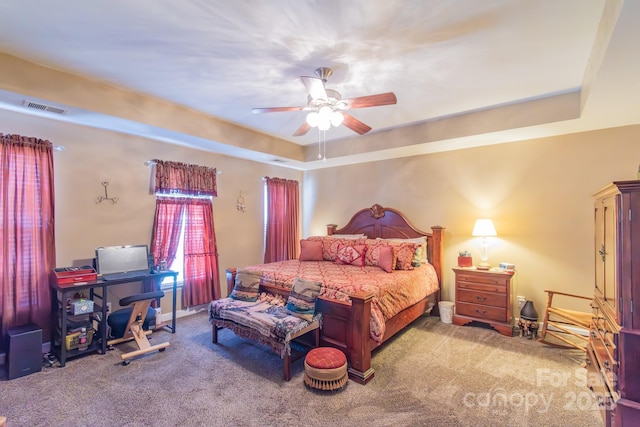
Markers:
point(72, 275)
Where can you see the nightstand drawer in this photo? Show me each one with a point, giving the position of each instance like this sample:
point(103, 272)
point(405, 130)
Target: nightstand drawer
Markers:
point(484, 298)
point(483, 278)
point(499, 288)
point(482, 311)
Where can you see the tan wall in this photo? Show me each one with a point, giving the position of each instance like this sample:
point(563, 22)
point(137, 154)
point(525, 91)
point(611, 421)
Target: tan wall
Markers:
point(537, 192)
point(92, 156)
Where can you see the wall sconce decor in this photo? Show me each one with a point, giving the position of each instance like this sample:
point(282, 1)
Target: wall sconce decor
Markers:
point(240, 206)
point(101, 199)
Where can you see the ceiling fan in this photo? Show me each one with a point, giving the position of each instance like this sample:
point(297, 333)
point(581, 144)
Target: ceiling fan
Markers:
point(327, 107)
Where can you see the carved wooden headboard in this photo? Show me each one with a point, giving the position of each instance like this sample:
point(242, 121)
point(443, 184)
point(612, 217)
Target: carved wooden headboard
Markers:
point(387, 223)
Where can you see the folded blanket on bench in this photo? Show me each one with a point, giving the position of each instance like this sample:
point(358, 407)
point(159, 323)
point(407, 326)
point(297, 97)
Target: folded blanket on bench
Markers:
point(268, 317)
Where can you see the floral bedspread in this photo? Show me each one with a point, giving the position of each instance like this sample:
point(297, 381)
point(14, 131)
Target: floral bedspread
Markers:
point(392, 292)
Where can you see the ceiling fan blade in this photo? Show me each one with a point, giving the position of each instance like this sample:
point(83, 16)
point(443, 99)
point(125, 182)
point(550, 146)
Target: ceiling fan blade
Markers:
point(354, 124)
point(303, 129)
point(315, 87)
point(387, 98)
point(275, 109)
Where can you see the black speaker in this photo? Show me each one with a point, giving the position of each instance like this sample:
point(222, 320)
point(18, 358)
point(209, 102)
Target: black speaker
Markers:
point(24, 351)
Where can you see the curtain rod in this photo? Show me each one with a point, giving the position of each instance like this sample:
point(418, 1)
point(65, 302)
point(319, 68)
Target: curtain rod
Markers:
point(151, 162)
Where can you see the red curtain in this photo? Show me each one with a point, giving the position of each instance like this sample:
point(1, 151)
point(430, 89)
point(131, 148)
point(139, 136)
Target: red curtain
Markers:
point(201, 281)
point(27, 247)
point(281, 233)
point(166, 229)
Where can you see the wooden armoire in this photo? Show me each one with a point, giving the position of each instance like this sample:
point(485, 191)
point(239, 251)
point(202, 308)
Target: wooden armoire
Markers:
point(613, 351)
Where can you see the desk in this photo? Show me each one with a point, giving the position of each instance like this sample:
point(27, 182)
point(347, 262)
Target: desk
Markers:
point(60, 316)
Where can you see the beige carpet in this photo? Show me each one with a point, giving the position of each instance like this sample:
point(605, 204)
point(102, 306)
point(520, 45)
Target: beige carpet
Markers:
point(432, 374)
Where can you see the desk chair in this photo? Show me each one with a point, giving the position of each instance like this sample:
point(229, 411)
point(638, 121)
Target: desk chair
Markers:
point(133, 322)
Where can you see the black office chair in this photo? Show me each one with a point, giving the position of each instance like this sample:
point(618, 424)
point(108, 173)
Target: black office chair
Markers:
point(132, 323)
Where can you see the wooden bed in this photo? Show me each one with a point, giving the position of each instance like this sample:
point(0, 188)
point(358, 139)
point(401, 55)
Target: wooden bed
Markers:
point(346, 326)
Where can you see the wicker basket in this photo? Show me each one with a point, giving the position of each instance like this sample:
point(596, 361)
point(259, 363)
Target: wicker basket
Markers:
point(73, 339)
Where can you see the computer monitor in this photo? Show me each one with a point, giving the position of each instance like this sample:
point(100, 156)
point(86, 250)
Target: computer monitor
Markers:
point(121, 259)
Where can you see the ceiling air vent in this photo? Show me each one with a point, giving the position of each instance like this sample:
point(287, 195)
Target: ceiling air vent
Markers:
point(44, 107)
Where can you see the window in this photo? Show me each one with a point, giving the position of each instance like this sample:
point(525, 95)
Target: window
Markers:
point(178, 262)
point(183, 230)
point(184, 238)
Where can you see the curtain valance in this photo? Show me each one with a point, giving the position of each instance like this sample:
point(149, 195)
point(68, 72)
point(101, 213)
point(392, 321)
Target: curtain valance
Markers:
point(26, 141)
point(177, 177)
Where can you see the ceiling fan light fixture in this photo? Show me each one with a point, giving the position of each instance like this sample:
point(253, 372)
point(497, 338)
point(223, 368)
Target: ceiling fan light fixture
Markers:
point(325, 112)
point(337, 118)
point(325, 106)
point(324, 123)
point(312, 119)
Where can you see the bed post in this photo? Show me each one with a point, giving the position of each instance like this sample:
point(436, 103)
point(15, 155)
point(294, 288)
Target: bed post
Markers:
point(437, 246)
point(360, 352)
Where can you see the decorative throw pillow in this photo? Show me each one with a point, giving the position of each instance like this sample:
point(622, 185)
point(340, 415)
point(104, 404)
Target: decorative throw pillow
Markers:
point(380, 254)
point(405, 253)
point(420, 256)
point(417, 257)
point(302, 298)
point(386, 258)
point(330, 246)
point(247, 285)
point(310, 250)
point(352, 255)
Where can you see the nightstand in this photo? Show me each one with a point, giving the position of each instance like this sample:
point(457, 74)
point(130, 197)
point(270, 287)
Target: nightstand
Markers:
point(483, 296)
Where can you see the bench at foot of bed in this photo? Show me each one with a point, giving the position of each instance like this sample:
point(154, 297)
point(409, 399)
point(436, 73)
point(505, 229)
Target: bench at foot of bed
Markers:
point(266, 322)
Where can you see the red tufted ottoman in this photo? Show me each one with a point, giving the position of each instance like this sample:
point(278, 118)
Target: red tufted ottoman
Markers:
point(325, 368)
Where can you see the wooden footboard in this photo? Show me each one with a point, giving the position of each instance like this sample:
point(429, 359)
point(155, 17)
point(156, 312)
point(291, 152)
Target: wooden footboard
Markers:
point(346, 327)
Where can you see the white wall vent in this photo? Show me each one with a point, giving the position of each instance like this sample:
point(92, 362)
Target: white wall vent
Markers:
point(44, 107)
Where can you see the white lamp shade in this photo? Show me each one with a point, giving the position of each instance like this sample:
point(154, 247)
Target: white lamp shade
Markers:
point(483, 228)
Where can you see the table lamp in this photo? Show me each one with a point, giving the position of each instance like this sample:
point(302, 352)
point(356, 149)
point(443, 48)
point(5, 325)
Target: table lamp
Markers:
point(484, 228)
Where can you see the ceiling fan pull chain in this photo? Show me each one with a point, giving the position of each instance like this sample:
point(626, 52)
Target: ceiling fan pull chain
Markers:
point(324, 146)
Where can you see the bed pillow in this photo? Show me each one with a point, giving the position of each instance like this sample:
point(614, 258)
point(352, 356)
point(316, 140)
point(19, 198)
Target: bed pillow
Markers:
point(351, 255)
point(380, 254)
point(420, 256)
point(347, 236)
point(310, 250)
point(330, 245)
point(405, 252)
point(302, 298)
point(387, 258)
point(247, 285)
